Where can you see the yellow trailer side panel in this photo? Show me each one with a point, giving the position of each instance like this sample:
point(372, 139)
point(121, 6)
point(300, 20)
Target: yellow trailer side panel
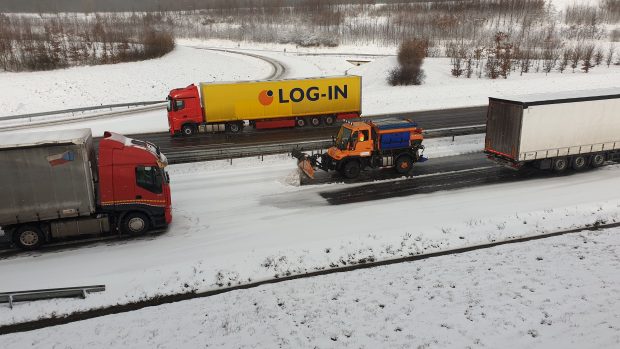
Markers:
point(253, 100)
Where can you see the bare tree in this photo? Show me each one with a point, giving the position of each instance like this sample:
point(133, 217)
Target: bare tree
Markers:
point(410, 58)
point(598, 56)
point(610, 54)
point(587, 58)
point(468, 67)
point(575, 57)
point(566, 54)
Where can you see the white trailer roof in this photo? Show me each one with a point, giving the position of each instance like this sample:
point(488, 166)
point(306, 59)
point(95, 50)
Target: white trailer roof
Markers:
point(30, 139)
point(561, 97)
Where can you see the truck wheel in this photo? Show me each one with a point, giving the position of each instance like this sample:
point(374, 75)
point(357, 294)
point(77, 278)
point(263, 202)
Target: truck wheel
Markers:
point(597, 160)
point(234, 127)
point(315, 121)
point(403, 164)
point(300, 122)
point(560, 164)
point(579, 163)
point(351, 169)
point(28, 237)
point(135, 223)
point(188, 130)
point(329, 120)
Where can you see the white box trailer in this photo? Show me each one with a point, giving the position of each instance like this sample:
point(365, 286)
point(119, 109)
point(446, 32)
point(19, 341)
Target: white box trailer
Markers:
point(559, 130)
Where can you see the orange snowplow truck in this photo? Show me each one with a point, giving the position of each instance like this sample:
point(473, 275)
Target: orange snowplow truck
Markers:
point(225, 107)
point(368, 144)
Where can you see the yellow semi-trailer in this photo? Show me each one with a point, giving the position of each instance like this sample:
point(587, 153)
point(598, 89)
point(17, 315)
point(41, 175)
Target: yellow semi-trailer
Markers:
point(264, 104)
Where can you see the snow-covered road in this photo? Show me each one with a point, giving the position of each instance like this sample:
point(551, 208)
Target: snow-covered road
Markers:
point(246, 222)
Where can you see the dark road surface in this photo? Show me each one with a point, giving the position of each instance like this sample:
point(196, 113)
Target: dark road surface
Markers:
point(427, 120)
point(447, 173)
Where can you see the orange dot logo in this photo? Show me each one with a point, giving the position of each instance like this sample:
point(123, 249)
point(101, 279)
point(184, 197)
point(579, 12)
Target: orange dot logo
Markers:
point(265, 97)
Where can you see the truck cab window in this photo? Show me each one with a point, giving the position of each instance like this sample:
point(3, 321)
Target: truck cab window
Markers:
point(179, 104)
point(364, 135)
point(353, 140)
point(149, 178)
point(343, 138)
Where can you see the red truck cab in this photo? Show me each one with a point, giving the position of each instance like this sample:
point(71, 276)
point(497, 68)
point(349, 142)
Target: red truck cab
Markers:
point(184, 110)
point(133, 183)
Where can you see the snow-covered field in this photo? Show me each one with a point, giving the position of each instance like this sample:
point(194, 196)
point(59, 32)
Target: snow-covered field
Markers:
point(152, 80)
point(560, 292)
point(247, 221)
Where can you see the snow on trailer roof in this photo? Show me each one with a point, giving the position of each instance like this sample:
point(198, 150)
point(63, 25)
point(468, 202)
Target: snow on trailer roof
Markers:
point(560, 97)
point(31, 139)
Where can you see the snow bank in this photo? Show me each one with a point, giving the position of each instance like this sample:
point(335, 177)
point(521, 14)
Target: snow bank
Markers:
point(558, 292)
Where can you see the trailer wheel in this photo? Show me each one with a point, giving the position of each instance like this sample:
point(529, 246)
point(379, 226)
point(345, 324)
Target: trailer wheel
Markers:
point(135, 223)
point(351, 169)
point(560, 164)
point(329, 120)
point(188, 130)
point(234, 127)
point(315, 121)
point(28, 237)
point(579, 163)
point(300, 122)
point(403, 164)
point(597, 160)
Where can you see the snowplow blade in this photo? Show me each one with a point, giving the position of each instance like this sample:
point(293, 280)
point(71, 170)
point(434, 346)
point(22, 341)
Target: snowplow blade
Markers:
point(304, 163)
point(305, 166)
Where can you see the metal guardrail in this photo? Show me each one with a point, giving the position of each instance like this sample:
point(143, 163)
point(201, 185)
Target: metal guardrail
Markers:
point(240, 151)
point(35, 295)
point(76, 110)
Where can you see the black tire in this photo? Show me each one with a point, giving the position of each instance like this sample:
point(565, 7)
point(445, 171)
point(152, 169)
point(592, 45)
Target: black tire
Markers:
point(188, 130)
point(597, 160)
point(300, 122)
point(404, 164)
point(135, 223)
point(560, 164)
point(28, 237)
point(579, 163)
point(351, 169)
point(234, 127)
point(329, 120)
point(315, 121)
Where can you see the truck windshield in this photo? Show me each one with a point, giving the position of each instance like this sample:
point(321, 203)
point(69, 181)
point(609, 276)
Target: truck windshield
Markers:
point(343, 138)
